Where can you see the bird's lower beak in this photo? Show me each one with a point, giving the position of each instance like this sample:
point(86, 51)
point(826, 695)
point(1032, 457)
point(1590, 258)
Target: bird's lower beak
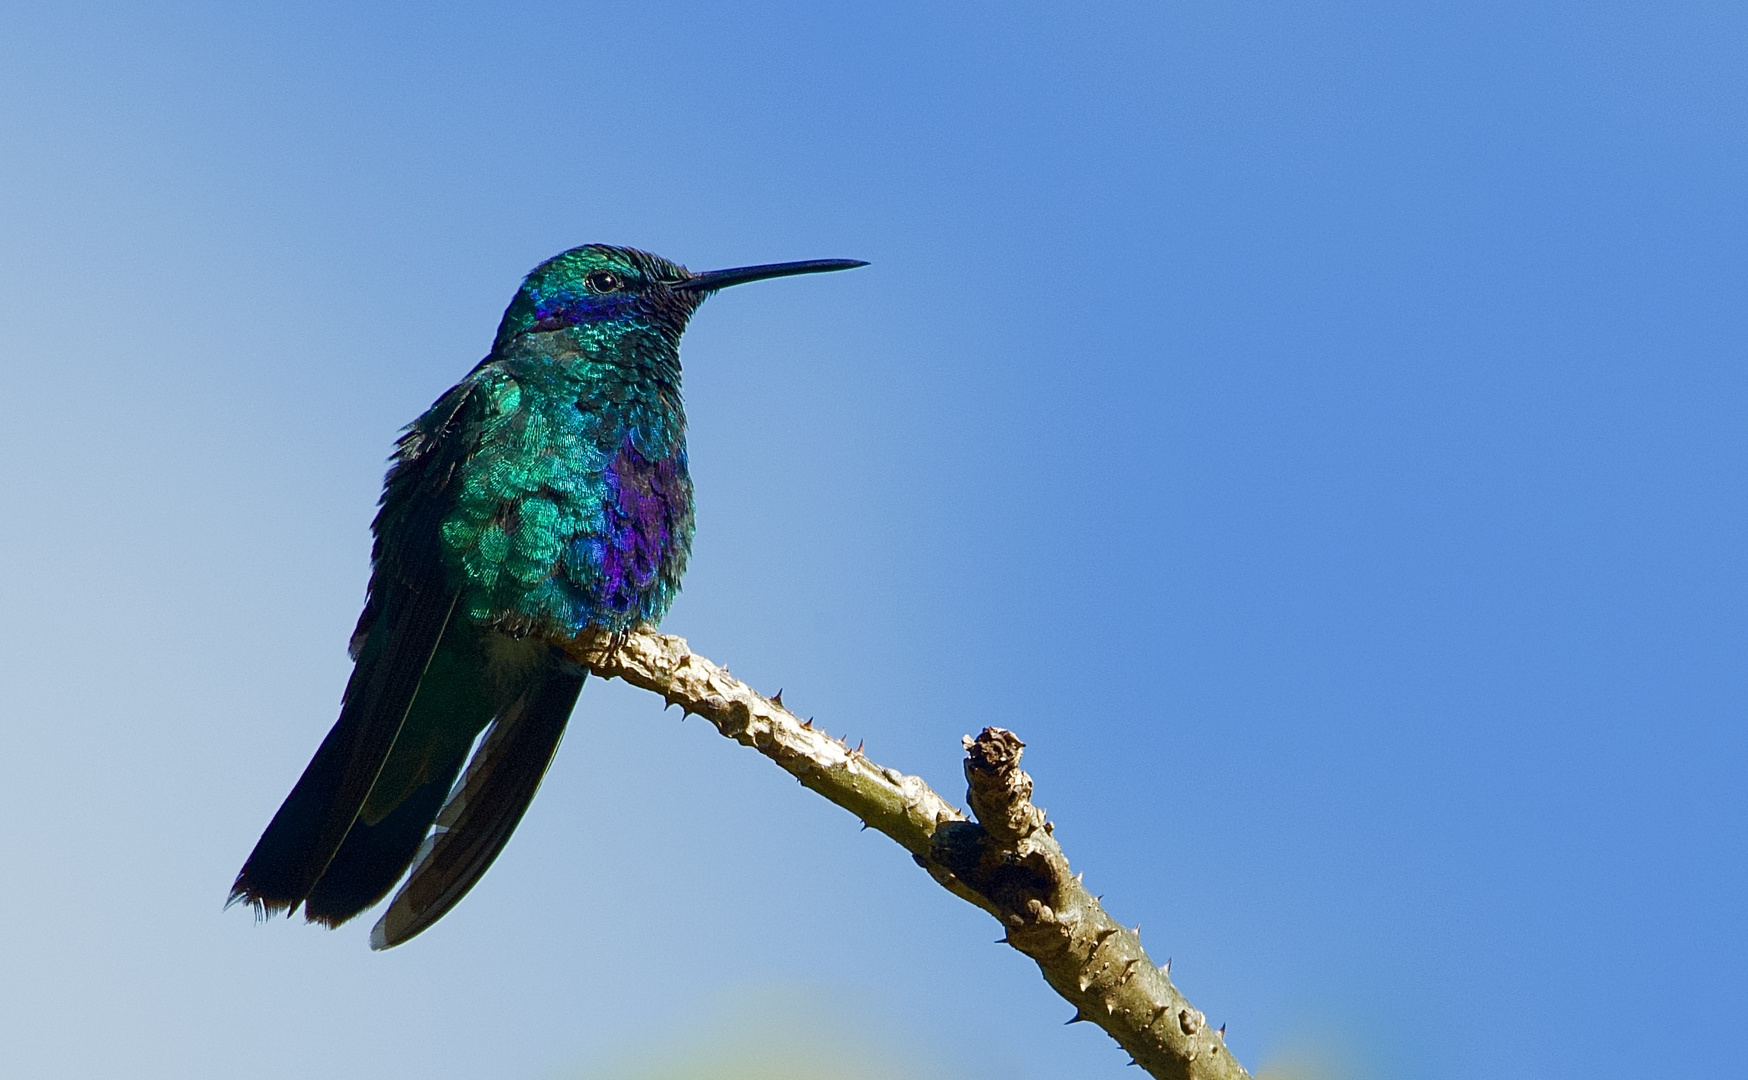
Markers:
point(711, 280)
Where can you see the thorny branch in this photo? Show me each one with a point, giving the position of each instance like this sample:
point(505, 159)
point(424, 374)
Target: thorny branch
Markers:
point(1007, 862)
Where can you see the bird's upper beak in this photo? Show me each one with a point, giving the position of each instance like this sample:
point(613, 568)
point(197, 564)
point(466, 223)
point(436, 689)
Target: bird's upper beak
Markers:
point(711, 280)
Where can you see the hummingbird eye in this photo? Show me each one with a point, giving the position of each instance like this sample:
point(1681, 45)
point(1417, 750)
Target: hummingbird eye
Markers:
point(604, 281)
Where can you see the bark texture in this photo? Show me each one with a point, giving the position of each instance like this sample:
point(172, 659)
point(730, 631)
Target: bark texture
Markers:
point(1007, 862)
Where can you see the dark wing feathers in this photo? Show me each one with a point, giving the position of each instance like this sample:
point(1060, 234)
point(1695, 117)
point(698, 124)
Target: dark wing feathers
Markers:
point(373, 856)
point(325, 847)
point(486, 806)
point(410, 603)
point(457, 698)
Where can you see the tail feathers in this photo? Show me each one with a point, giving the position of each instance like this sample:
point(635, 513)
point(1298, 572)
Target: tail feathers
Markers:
point(313, 821)
point(485, 806)
point(374, 856)
point(456, 700)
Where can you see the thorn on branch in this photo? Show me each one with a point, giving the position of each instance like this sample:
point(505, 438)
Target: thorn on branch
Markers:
point(1189, 1020)
point(1078, 1018)
point(777, 699)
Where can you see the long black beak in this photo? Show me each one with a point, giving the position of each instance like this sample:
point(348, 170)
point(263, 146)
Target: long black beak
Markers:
point(711, 280)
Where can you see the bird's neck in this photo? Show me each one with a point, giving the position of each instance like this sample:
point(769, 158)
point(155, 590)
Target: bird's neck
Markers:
point(644, 361)
point(627, 380)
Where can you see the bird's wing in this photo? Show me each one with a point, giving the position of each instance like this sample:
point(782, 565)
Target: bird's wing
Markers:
point(457, 697)
point(486, 804)
point(410, 603)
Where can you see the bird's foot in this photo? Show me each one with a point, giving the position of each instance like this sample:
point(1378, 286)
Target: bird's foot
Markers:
point(609, 650)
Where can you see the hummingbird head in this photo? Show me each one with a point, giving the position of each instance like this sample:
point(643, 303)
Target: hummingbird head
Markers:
point(626, 289)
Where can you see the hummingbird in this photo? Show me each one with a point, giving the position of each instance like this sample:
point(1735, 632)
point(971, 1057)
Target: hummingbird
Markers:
point(543, 496)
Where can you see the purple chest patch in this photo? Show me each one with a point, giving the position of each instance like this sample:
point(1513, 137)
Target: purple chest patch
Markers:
point(648, 519)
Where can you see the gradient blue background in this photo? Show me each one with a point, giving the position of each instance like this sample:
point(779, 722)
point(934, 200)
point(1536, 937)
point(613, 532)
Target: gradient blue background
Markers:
point(1317, 429)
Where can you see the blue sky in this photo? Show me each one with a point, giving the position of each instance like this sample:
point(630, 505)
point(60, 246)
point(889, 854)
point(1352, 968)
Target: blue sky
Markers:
point(1318, 430)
